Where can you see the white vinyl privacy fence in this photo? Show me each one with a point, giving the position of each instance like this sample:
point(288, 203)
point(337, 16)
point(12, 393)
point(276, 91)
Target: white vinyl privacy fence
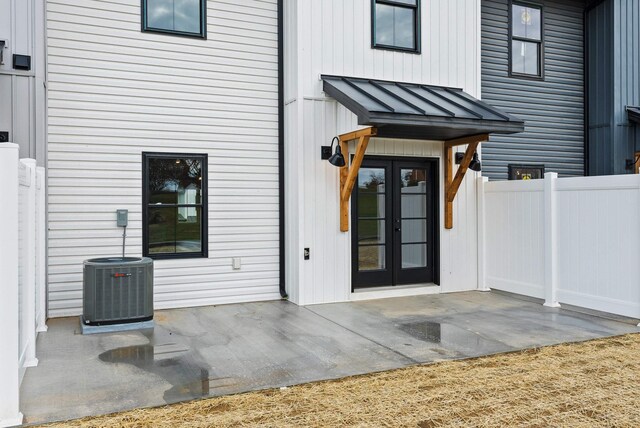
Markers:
point(22, 273)
point(565, 240)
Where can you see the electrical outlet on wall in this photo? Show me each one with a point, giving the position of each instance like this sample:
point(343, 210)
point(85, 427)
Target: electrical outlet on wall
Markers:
point(236, 263)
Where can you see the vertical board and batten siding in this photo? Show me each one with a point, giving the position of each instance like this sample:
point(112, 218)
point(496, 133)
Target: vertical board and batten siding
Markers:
point(600, 99)
point(115, 92)
point(334, 37)
point(613, 48)
point(553, 109)
point(627, 88)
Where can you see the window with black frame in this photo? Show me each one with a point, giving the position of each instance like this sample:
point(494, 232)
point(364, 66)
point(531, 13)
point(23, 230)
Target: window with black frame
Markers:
point(526, 40)
point(179, 17)
point(396, 25)
point(175, 205)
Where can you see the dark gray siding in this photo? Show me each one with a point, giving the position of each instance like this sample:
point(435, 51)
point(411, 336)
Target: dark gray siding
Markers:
point(554, 108)
point(599, 27)
point(627, 86)
point(613, 50)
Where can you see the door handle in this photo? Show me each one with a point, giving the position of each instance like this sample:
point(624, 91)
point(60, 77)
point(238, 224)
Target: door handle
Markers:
point(397, 229)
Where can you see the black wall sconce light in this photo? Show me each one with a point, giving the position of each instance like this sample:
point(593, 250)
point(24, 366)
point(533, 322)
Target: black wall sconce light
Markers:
point(335, 159)
point(475, 164)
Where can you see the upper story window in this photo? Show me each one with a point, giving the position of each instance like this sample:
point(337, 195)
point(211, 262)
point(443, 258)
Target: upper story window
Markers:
point(396, 25)
point(526, 40)
point(174, 211)
point(180, 17)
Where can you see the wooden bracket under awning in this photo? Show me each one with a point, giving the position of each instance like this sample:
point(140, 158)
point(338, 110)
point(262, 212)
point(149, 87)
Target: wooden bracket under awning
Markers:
point(452, 184)
point(349, 173)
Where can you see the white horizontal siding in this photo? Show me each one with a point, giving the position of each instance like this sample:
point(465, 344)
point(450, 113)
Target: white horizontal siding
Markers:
point(115, 92)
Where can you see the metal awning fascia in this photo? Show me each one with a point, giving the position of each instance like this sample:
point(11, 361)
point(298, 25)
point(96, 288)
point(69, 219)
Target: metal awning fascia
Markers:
point(380, 120)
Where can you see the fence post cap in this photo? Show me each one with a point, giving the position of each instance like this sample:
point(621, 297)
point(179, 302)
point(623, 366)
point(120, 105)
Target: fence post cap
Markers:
point(9, 146)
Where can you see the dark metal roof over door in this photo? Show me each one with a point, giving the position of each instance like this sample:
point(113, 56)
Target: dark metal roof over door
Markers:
point(407, 110)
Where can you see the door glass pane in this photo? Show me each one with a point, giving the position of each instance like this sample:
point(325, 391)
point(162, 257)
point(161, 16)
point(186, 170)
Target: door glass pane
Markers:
point(414, 256)
point(371, 257)
point(413, 206)
point(162, 230)
point(395, 26)
point(371, 180)
point(371, 231)
point(371, 205)
point(188, 239)
point(526, 22)
point(524, 58)
point(413, 180)
point(414, 231)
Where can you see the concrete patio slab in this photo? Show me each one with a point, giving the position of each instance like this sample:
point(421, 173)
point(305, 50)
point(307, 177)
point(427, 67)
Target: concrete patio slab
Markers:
point(463, 325)
point(210, 351)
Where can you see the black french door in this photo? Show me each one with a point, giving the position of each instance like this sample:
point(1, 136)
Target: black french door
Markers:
point(394, 221)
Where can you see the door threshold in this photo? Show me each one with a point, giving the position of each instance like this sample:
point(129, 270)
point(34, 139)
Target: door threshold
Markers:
point(372, 293)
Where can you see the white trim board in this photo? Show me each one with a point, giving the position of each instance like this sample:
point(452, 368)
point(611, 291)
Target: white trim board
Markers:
point(387, 292)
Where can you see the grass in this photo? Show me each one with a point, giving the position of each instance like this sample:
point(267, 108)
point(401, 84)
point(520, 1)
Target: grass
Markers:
point(595, 383)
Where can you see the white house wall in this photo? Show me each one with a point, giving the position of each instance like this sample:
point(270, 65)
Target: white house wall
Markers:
point(334, 37)
point(115, 92)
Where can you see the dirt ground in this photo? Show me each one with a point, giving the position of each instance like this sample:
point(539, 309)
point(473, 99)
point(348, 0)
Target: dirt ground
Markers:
point(587, 384)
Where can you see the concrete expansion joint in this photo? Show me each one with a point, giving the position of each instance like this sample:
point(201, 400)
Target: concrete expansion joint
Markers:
point(395, 351)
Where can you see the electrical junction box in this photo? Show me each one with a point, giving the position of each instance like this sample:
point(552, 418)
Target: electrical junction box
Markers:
point(122, 217)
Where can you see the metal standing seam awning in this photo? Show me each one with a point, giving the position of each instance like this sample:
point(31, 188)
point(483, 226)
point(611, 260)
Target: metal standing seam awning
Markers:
point(414, 111)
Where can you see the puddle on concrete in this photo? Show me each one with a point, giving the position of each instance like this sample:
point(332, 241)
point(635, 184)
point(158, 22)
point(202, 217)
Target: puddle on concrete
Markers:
point(427, 331)
point(174, 362)
point(452, 338)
